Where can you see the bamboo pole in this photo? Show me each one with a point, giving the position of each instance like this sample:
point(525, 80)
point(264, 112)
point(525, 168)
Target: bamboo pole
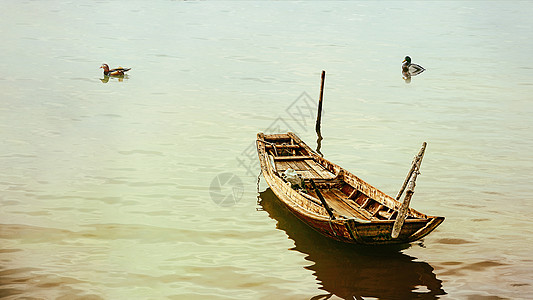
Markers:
point(404, 209)
point(416, 160)
point(410, 182)
point(319, 115)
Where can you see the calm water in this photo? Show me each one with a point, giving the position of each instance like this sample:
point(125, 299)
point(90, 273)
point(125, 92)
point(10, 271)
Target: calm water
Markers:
point(108, 190)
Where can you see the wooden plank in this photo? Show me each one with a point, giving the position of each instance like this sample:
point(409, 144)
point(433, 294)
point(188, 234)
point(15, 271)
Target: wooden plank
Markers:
point(338, 193)
point(353, 193)
point(279, 136)
point(320, 170)
point(293, 149)
point(283, 146)
point(351, 205)
point(306, 174)
point(293, 165)
point(282, 165)
point(361, 199)
point(310, 170)
point(338, 204)
point(292, 157)
point(348, 190)
point(342, 207)
point(311, 198)
point(325, 172)
point(385, 214)
point(300, 164)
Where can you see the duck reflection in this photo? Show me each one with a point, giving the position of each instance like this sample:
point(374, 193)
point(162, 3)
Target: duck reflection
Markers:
point(406, 76)
point(119, 78)
point(352, 271)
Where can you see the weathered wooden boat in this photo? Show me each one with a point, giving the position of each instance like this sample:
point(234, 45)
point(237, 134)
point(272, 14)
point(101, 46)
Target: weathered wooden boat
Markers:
point(335, 202)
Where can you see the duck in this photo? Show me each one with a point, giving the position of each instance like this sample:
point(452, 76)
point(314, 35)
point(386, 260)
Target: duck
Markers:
point(114, 72)
point(412, 69)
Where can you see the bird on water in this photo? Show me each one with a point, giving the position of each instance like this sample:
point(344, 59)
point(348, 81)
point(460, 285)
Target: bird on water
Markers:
point(114, 72)
point(410, 68)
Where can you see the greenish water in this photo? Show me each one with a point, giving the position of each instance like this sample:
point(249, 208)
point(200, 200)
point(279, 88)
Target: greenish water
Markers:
point(108, 189)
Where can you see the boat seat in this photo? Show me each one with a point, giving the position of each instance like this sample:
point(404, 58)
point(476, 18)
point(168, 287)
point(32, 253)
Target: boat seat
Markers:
point(278, 158)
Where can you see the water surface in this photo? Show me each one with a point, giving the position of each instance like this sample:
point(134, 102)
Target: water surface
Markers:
point(105, 186)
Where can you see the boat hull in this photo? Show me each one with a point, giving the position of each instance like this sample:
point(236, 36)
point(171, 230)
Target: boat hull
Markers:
point(352, 231)
point(348, 230)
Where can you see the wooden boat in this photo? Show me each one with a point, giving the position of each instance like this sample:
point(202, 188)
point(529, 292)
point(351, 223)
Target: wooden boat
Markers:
point(342, 207)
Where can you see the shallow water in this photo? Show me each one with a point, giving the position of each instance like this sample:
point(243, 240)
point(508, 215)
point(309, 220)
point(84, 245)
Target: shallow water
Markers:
point(109, 189)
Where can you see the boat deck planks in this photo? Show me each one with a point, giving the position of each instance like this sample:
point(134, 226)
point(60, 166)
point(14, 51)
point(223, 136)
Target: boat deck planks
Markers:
point(349, 204)
point(305, 166)
point(340, 206)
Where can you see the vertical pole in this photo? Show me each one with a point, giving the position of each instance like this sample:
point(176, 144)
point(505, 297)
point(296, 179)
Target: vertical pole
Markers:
point(319, 115)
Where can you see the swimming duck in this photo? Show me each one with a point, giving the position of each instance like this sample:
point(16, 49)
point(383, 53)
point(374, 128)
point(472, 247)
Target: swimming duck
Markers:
point(114, 72)
point(412, 69)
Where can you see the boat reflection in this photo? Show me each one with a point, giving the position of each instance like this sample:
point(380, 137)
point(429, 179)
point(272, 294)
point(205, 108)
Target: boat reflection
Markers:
point(319, 139)
point(352, 271)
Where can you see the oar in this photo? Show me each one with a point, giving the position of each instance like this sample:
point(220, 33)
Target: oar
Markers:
point(410, 183)
point(326, 206)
